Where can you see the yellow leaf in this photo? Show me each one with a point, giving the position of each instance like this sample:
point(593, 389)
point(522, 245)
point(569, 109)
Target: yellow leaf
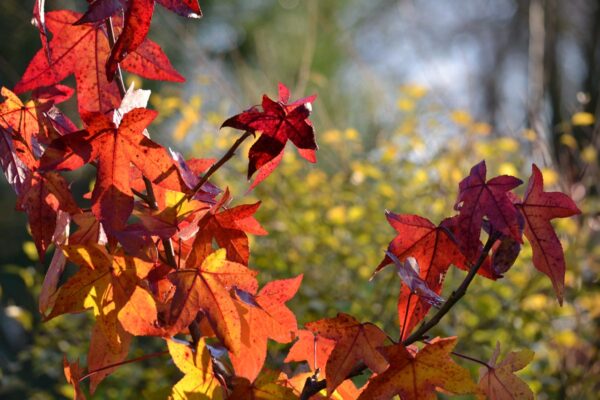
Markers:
point(405, 104)
point(583, 118)
point(461, 117)
point(199, 381)
point(568, 140)
point(589, 154)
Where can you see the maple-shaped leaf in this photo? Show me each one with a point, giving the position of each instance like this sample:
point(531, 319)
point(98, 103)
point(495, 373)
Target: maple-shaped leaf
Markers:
point(278, 122)
point(538, 208)
point(114, 148)
point(419, 376)
point(264, 316)
point(199, 381)
point(103, 283)
point(478, 198)
point(83, 50)
point(73, 372)
point(229, 228)
point(269, 385)
point(206, 289)
point(499, 382)
point(434, 250)
point(315, 350)
point(19, 125)
point(138, 16)
point(355, 342)
point(43, 196)
point(102, 354)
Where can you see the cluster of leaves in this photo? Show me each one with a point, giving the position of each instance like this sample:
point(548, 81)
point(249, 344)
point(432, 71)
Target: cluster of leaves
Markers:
point(162, 253)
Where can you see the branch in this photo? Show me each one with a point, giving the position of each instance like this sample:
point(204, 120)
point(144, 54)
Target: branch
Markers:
point(312, 387)
point(144, 357)
point(149, 198)
point(213, 168)
point(455, 296)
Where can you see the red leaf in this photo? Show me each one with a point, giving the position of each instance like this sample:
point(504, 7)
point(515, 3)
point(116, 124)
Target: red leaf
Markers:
point(83, 50)
point(434, 249)
point(101, 354)
point(229, 228)
point(114, 148)
point(538, 208)
point(43, 196)
point(264, 316)
point(354, 342)
point(478, 198)
point(185, 8)
point(137, 24)
point(278, 122)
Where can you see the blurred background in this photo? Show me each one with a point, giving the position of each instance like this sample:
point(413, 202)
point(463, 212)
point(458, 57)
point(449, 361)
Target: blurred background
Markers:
point(411, 94)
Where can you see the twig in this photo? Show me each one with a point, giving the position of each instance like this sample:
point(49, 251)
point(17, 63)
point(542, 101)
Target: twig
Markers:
point(311, 388)
point(454, 297)
point(213, 168)
point(144, 357)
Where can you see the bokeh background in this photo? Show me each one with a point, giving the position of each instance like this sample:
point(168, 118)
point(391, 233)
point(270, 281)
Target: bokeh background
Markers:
point(411, 94)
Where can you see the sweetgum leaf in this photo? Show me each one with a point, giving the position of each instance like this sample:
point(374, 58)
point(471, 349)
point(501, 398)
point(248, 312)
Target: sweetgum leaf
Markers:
point(538, 208)
point(479, 198)
point(263, 317)
point(416, 377)
point(354, 342)
point(114, 148)
point(500, 382)
point(82, 50)
point(434, 249)
point(199, 381)
point(278, 122)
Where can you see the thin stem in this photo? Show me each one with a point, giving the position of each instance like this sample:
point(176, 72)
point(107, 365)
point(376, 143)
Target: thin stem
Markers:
point(150, 198)
point(111, 42)
point(466, 357)
point(454, 297)
point(230, 153)
point(144, 357)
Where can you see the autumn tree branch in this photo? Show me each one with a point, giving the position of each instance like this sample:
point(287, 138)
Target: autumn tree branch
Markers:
point(455, 296)
point(312, 386)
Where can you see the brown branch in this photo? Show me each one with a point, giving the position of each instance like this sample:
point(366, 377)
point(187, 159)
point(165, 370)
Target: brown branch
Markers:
point(313, 387)
point(454, 297)
point(213, 168)
point(141, 358)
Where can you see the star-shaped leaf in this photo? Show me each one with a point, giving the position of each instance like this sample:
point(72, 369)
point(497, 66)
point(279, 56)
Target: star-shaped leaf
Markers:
point(229, 228)
point(434, 249)
point(418, 377)
point(354, 342)
point(278, 122)
point(264, 316)
point(83, 50)
point(114, 148)
point(478, 198)
point(538, 208)
point(199, 381)
point(500, 382)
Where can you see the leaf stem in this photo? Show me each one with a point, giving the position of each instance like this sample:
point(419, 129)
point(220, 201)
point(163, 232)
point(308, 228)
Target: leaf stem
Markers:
point(455, 296)
point(213, 168)
point(141, 358)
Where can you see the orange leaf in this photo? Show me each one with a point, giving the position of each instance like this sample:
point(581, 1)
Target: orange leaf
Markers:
point(354, 342)
point(264, 316)
point(500, 383)
point(419, 376)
